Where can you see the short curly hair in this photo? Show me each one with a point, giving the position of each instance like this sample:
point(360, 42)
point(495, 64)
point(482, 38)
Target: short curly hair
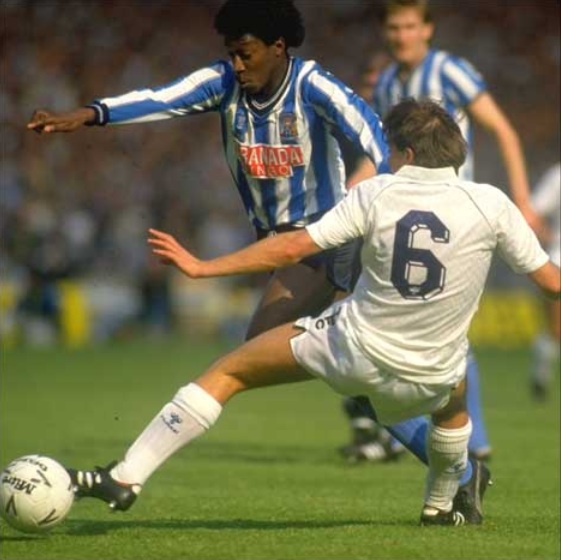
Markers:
point(267, 20)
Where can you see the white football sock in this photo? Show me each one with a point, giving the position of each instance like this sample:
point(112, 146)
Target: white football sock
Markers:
point(448, 458)
point(545, 351)
point(363, 423)
point(191, 412)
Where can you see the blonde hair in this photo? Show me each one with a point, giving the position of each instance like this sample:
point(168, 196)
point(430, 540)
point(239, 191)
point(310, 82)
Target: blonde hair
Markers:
point(393, 6)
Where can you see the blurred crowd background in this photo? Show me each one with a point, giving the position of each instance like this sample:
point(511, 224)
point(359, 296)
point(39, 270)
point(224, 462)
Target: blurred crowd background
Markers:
point(74, 209)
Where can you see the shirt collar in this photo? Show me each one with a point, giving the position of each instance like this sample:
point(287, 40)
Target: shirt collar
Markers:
point(264, 105)
point(426, 174)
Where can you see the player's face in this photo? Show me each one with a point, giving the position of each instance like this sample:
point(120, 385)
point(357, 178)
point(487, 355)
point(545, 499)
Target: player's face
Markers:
point(408, 36)
point(259, 67)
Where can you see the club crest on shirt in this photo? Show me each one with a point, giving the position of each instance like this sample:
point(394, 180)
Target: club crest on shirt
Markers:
point(288, 128)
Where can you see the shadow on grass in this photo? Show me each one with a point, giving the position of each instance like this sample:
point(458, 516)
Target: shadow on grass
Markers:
point(228, 452)
point(231, 452)
point(78, 527)
point(247, 453)
point(21, 538)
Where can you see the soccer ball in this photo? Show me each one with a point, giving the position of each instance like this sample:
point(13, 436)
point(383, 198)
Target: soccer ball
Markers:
point(35, 493)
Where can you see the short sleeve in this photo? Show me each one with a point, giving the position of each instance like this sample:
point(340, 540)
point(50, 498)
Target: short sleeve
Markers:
point(516, 242)
point(347, 220)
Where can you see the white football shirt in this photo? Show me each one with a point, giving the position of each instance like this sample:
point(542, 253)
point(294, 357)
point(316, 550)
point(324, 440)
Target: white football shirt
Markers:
point(429, 238)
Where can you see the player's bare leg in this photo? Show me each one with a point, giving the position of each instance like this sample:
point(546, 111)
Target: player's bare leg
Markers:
point(291, 293)
point(263, 361)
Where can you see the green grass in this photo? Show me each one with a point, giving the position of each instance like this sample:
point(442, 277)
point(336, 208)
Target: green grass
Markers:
point(266, 482)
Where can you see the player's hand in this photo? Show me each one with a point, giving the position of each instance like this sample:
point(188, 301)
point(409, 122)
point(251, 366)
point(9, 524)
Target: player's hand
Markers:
point(170, 251)
point(43, 121)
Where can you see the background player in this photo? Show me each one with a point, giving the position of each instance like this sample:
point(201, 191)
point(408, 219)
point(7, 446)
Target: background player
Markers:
point(373, 342)
point(423, 72)
point(547, 201)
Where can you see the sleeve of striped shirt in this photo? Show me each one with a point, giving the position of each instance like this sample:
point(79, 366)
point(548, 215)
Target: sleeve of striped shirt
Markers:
point(376, 96)
point(381, 92)
point(199, 92)
point(461, 80)
point(344, 110)
point(347, 220)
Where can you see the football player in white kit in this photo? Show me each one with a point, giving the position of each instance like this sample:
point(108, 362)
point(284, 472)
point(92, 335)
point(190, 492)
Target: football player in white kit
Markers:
point(546, 199)
point(400, 338)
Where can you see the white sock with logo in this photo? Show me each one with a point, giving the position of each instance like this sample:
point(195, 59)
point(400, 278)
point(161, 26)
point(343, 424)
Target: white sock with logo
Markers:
point(191, 412)
point(448, 458)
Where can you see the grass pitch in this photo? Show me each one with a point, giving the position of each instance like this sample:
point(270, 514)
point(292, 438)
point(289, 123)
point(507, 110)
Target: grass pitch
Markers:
point(266, 481)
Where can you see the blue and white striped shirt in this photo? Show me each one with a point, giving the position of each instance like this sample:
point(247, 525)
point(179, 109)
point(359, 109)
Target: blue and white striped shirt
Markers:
point(282, 154)
point(444, 78)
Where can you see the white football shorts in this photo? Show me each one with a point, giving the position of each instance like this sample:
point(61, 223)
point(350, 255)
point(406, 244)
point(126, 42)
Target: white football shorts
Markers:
point(326, 350)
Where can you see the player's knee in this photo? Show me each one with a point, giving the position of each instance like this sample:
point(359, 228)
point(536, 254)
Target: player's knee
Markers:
point(223, 379)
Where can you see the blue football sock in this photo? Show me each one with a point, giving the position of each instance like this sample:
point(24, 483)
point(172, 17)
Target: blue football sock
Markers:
point(478, 440)
point(412, 433)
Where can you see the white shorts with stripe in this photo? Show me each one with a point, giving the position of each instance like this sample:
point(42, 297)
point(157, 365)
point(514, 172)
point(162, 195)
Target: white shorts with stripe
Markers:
point(327, 352)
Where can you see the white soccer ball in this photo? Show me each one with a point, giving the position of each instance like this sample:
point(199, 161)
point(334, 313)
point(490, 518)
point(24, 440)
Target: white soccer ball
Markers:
point(35, 493)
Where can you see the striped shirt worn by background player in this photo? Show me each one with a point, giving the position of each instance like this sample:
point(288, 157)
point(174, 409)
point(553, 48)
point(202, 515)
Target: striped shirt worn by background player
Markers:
point(444, 78)
point(281, 153)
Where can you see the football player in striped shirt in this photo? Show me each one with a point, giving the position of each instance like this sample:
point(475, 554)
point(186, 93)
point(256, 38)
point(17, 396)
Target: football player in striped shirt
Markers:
point(280, 115)
point(420, 71)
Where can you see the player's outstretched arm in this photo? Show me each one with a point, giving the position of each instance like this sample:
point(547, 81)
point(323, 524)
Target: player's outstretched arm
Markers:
point(270, 253)
point(486, 112)
point(548, 278)
point(43, 121)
